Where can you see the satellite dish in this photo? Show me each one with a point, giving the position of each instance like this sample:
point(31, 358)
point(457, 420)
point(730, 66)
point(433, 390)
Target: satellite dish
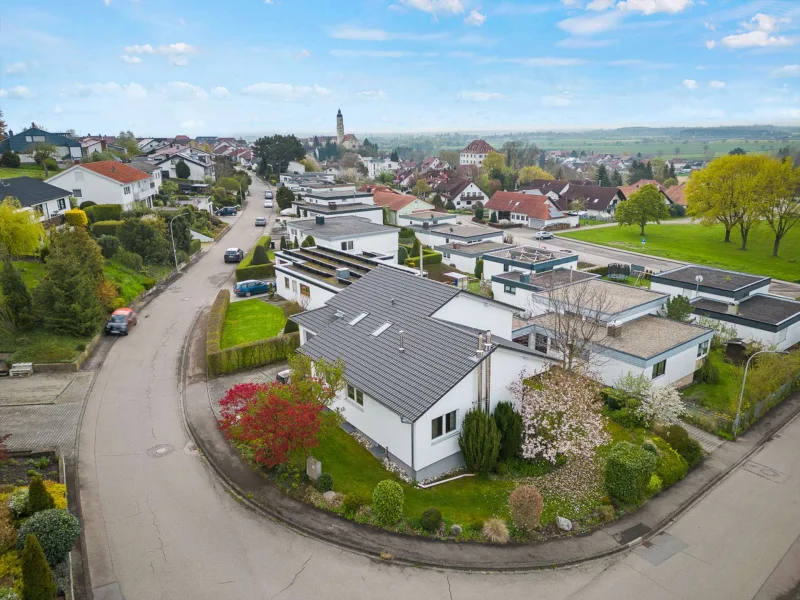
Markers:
point(699, 279)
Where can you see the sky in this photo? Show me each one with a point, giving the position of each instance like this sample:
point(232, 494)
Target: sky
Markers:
point(248, 67)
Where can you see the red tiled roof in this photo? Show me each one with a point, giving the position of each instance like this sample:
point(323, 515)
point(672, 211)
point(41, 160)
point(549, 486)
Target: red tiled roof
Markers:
point(117, 171)
point(538, 207)
point(479, 147)
point(677, 193)
point(376, 188)
point(392, 200)
point(627, 190)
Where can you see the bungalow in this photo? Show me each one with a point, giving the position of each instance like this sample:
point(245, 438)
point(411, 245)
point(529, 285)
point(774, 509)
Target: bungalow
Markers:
point(463, 193)
point(295, 167)
point(538, 212)
point(24, 142)
point(107, 182)
point(346, 233)
point(398, 205)
point(46, 200)
point(527, 258)
point(596, 201)
point(440, 352)
point(464, 257)
point(434, 228)
point(737, 300)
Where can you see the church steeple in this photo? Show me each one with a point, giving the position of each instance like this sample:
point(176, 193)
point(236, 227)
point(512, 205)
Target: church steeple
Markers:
point(339, 126)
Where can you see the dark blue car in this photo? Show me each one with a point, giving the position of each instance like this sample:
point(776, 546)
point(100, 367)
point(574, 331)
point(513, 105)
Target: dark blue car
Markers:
point(252, 287)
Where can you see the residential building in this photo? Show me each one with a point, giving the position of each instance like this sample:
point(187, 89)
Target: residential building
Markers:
point(596, 201)
point(462, 192)
point(736, 300)
point(378, 166)
point(46, 200)
point(464, 257)
point(529, 210)
point(107, 182)
point(295, 168)
point(677, 193)
point(398, 204)
point(200, 166)
point(332, 200)
point(346, 233)
point(152, 169)
point(438, 353)
point(91, 145)
point(23, 144)
point(530, 259)
point(628, 190)
point(475, 153)
point(434, 228)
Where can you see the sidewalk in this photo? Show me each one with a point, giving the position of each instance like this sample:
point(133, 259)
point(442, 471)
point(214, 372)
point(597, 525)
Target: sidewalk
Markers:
point(262, 496)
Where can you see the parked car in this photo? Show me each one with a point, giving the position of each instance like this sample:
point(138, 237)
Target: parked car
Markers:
point(120, 321)
point(268, 195)
point(261, 222)
point(543, 235)
point(233, 255)
point(226, 211)
point(252, 287)
point(284, 376)
point(267, 203)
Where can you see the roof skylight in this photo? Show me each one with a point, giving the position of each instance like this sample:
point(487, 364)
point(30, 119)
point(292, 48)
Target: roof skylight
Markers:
point(359, 318)
point(381, 329)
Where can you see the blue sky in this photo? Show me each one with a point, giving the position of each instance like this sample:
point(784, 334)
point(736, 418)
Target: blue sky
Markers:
point(248, 66)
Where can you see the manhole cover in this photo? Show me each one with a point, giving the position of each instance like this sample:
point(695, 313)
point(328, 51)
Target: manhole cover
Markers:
point(161, 450)
point(765, 472)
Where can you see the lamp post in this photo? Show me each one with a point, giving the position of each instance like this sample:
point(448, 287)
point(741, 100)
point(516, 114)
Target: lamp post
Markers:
point(744, 379)
point(172, 235)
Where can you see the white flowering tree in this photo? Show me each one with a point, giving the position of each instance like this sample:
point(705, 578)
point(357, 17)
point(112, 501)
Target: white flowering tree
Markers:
point(561, 413)
point(661, 404)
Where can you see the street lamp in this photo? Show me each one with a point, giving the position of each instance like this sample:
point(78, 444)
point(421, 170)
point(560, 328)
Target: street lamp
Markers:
point(744, 379)
point(172, 235)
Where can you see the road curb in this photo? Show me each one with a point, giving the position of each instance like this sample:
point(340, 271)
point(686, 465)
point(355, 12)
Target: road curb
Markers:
point(678, 263)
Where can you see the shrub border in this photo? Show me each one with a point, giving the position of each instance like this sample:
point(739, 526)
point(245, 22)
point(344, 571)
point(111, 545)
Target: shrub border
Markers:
point(244, 270)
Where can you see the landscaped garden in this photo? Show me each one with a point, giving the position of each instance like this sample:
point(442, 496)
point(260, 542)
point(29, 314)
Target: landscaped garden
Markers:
point(250, 321)
point(704, 245)
point(566, 448)
point(36, 530)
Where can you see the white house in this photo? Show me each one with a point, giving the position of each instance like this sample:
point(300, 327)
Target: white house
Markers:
point(295, 167)
point(46, 200)
point(377, 166)
point(434, 228)
point(148, 144)
point(92, 145)
point(463, 193)
point(439, 352)
point(399, 205)
point(346, 233)
point(107, 182)
point(530, 210)
point(199, 168)
point(330, 200)
point(736, 299)
point(531, 259)
point(475, 153)
point(464, 257)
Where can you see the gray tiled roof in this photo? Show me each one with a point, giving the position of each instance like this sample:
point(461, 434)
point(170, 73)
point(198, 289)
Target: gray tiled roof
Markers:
point(30, 191)
point(437, 355)
point(336, 227)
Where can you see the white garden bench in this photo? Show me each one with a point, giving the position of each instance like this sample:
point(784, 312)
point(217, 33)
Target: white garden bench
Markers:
point(21, 369)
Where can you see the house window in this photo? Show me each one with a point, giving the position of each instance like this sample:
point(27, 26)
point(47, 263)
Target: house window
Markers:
point(62, 204)
point(77, 193)
point(505, 268)
point(347, 245)
point(540, 343)
point(294, 286)
point(443, 425)
point(28, 138)
point(659, 368)
point(702, 349)
point(286, 282)
point(39, 209)
point(39, 138)
point(305, 290)
point(126, 190)
point(355, 395)
point(509, 289)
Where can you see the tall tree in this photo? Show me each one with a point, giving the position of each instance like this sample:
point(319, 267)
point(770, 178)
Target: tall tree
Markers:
point(559, 173)
point(2, 126)
point(421, 188)
point(276, 151)
point(127, 140)
point(20, 230)
point(494, 162)
point(17, 298)
point(603, 177)
point(394, 157)
point(778, 202)
point(38, 583)
point(616, 179)
point(645, 206)
point(529, 173)
point(43, 152)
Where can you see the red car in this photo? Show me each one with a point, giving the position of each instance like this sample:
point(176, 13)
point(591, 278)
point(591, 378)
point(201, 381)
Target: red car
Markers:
point(121, 321)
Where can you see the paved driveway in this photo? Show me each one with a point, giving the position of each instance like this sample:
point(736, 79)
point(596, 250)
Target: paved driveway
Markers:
point(158, 525)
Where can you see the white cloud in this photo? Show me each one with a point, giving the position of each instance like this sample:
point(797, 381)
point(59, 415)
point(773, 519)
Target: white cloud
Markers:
point(18, 91)
point(475, 18)
point(761, 27)
point(372, 95)
point(303, 54)
point(21, 67)
point(106, 2)
point(717, 85)
point(191, 124)
point(220, 93)
point(348, 32)
point(179, 61)
point(106, 89)
point(710, 44)
point(130, 60)
point(435, 6)
point(177, 53)
point(787, 71)
point(58, 110)
point(649, 7)
point(600, 5)
point(590, 24)
point(579, 43)
point(137, 49)
point(558, 100)
point(370, 53)
point(180, 90)
point(689, 84)
point(471, 96)
point(548, 61)
point(285, 91)
point(511, 9)
point(710, 26)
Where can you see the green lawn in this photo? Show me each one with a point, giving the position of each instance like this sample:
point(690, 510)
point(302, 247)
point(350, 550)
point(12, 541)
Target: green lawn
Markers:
point(131, 283)
point(25, 170)
point(250, 321)
point(32, 272)
point(695, 243)
point(40, 346)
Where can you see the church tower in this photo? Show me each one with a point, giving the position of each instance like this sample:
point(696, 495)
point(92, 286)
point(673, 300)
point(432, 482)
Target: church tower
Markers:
point(339, 126)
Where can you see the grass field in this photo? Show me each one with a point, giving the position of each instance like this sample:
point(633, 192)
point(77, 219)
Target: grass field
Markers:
point(25, 170)
point(250, 321)
point(695, 243)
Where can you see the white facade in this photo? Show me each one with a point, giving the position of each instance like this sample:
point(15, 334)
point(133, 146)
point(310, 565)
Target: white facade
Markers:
point(85, 185)
point(376, 166)
point(469, 196)
point(380, 243)
point(197, 172)
point(295, 168)
point(470, 158)
point(51, 208)
point(463, 263)
point(442, 235)
point(478, 313)
point(306, 292)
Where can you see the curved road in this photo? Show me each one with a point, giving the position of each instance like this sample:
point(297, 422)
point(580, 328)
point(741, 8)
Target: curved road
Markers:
point(158, 524)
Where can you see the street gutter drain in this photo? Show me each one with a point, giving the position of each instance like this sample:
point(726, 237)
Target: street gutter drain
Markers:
point(161, 450)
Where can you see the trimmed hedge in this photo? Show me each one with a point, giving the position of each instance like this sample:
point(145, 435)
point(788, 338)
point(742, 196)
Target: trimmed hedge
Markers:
point(105, 228)
point(76, 217)
point(215, 323)
point(247, 270)
point(628, 472)
point(104, 212)
point(670, 466)
point(387, 502)
point(428, 258)
point(254, 354)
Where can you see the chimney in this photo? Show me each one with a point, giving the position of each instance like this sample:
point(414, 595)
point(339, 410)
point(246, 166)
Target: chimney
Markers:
point(402, 345)
point(614, 330)
point(733, 308)
point(320, 219)
point(456, 245)
point(342, 273)
point(479, 352)
point(525, 277)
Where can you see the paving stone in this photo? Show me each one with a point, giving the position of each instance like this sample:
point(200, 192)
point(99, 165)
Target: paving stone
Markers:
point(707, 440)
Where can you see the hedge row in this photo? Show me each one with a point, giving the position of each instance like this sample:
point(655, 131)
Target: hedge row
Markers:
point(254, 354)
point(106, 228)
point(216, 321)
point(104, 212)
point(245, 271)
point(428, 258)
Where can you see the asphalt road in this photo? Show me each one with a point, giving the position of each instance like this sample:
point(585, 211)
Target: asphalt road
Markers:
point(158, 525)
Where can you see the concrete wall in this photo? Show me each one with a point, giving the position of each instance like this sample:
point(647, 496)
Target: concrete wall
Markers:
point(430, 238)
point(462, 263)
point(781, 340)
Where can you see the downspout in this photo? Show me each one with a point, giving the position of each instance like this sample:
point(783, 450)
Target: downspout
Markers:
point(488, 350)
point(478, 356)
point(413, 427)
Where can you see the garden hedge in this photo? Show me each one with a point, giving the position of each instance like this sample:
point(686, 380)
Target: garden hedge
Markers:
point(247, 270)
point(428, 258)
point(104, 212)
point(253, 354)
point(387, 502)
point(215, 323)
point(76, 217)
point(105, 228)
point(628, 472)
point(670, 466)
